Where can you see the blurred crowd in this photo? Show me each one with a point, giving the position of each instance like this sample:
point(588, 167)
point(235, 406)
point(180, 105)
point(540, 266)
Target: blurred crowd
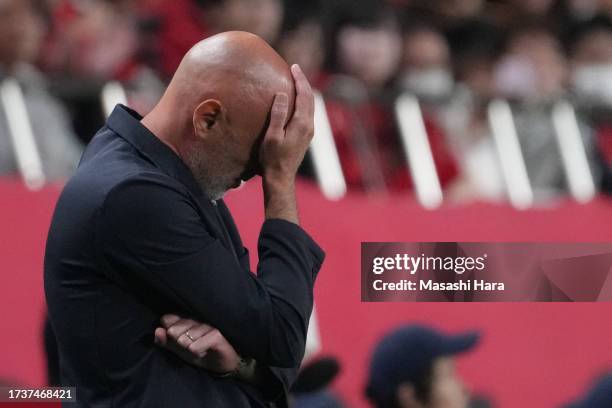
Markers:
point(414, 366)
point(455, 56)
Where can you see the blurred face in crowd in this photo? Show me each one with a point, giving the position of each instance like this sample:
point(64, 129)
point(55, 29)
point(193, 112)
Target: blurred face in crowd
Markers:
point(582, 9)
point(16, 20)
point(304, 46)
point(425, 67)
point(592, 66)
point(595, 48)
point(261, 17)
point(458, 8)
point(371, 54)
point(447, 389)
point(35, 30)
point(476, 74)
point(533, 68)
point(605, 5)
point(534, 7)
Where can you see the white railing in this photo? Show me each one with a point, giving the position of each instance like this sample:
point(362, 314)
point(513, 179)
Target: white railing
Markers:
point(324, 154)
point(573, 154)
point(112, 94)
point(22, 137)
point(510, 154)
point(417, 151)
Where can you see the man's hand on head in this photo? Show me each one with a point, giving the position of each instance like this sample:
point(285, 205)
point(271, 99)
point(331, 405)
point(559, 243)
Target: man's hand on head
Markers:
point(198, 344)
point(283, 148)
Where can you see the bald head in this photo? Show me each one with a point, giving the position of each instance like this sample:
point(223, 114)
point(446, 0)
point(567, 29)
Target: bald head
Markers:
point(238, 69)
point(216, 108)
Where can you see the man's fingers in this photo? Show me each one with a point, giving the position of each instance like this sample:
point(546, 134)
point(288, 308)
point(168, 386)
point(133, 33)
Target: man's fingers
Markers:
point(304, 94)
point(168, 320)
point(193, 334)
point(161, 337)
point(180, 327)
point(201, 346)
point(302, 120)
point(278, 116)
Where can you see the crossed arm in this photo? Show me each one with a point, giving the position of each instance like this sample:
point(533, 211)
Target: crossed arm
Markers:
point(204, 346)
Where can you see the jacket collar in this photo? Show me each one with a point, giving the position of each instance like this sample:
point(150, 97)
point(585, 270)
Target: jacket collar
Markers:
point(126, 123)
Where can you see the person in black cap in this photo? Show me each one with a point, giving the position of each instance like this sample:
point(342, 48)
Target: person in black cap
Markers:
point(599, 396)
point(413, 367)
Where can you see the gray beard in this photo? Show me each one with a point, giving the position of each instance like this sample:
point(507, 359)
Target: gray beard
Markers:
point(211, 178)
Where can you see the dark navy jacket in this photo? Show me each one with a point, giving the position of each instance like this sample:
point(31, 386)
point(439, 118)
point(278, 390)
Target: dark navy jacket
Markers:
point(133, 238)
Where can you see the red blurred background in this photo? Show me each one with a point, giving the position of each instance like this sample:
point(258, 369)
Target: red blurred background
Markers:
point(532, 354)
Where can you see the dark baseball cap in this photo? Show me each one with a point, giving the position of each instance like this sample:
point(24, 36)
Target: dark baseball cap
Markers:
point(405, 355)
point(600, 395)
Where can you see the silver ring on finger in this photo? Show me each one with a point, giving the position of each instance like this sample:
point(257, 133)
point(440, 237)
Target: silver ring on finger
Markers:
point(189, 336)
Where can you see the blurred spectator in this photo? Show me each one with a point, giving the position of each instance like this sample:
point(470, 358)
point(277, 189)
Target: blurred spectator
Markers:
point(367, 44)
point(427, 72)
point(591, 62)
point(426, 65)
point(261, 17)
point(533, 68)
point(361, 55)
point(177, 25)
point(21, 33)
point(182, 23)
point(533, 7)
point(366, 52)
point(475, 46)
point(92, 39)
point(413, 367)
point(514, 13)
point(311, 389)
point(599, 396)
point(302, 40)
point(533, 73)
point(451, 11)
point(90, 42)
point(574, 12)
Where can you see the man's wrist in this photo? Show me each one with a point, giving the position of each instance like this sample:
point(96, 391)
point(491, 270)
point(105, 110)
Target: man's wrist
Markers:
point(246, 370)
point(278, 183)
point(279, 197)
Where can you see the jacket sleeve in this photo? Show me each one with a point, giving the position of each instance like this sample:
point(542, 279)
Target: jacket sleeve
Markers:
point(152, 231)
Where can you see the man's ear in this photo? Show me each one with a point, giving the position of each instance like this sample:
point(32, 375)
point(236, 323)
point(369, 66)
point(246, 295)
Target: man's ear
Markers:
point(406, 396)
point(206, 116)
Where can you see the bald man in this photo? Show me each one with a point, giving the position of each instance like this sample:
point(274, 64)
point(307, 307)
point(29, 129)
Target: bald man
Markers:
point(141, 231)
